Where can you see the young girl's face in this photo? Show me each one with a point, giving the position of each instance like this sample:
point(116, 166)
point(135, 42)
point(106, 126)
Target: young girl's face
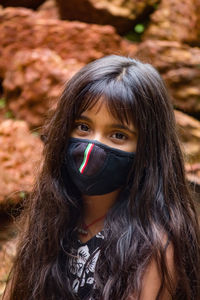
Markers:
point(99, 124)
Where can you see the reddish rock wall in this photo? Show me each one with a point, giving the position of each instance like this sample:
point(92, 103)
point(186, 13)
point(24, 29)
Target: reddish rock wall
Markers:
point(175, 21)
point(20, 154)
point(34, 83)
point(23, 29)
point(179, 65)
point(118, 13)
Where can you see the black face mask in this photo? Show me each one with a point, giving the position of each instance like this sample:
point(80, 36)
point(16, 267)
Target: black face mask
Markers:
point(95, 168)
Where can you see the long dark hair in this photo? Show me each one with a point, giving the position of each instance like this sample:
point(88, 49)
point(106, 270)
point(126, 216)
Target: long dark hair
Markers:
point(158, 206)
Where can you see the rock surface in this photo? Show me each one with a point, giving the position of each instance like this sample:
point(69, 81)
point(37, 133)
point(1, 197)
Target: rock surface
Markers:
point(179, 65)
point(118, 13)
point(175, 21)
point(21, 29)
point(24, 3)
point(34, 82)
point(48, 10)
point(20, 155)
point(7, 255)
point(193, 174)
point(189, 133)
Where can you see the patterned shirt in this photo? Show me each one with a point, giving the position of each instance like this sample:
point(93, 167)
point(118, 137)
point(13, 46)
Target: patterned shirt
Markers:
point(82, 265)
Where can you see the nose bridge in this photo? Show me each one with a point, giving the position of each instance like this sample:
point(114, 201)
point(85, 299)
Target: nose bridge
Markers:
point(98, 136)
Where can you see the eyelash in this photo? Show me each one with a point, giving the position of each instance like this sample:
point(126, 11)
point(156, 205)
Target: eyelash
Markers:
point(78, 126)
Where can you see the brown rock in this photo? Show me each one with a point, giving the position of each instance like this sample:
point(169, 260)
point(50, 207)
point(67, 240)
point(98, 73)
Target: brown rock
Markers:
point(193, 173)
point(21, 28)
point(118, 13)
point(8, 242)
point(34, 81)
point(189, 133)
point(24, 3)
point(20, 154)
point(175, 21)
point(48, 10)
point(180, 66)
point(7, 255)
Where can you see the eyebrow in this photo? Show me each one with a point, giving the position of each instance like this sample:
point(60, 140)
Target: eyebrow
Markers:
point(114, 126)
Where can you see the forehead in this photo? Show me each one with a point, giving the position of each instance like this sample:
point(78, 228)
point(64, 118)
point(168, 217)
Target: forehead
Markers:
point(99, 111)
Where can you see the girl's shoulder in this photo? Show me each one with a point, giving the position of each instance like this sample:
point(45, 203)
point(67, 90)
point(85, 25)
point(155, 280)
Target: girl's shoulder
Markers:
point(151, 281)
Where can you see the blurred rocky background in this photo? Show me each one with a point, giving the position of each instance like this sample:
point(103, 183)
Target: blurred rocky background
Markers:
point(43, 43)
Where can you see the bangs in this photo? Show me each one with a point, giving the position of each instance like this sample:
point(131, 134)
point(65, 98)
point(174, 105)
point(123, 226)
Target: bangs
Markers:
point(119, 99)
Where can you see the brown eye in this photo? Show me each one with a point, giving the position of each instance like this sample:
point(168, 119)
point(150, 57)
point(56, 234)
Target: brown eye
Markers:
point(119, 136)
point(83, 127)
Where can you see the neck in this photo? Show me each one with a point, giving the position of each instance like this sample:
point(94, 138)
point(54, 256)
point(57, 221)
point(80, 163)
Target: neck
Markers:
point(98, 206)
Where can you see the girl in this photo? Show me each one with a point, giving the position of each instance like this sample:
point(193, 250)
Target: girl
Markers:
point(111, 216)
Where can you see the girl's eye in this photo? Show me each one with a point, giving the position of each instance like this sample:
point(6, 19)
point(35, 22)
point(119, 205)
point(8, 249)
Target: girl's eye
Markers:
point(83, 127)
point(119, 136)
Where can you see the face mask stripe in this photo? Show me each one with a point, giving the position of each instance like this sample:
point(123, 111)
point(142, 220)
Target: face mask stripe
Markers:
point(87, 152)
